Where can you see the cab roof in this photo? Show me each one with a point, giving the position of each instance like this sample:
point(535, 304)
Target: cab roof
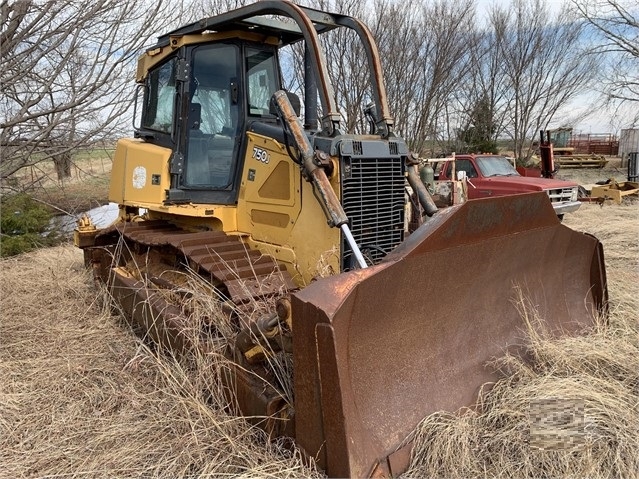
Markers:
point(258, 18)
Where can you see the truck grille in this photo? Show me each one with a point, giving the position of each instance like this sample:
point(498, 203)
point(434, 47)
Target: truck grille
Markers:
point(558, 195)
point(373, 200)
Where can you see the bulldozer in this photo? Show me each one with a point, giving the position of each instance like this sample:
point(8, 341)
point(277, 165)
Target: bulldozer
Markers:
point(389, 307)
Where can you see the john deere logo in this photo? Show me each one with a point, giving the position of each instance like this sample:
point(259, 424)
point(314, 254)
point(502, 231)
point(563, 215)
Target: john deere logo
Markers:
point(139, 177)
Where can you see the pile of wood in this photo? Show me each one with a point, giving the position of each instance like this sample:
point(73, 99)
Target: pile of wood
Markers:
point(566, 158)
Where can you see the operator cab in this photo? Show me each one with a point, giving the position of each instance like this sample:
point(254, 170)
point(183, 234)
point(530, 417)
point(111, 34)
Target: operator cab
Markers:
point(209, 82)
point(218, 88)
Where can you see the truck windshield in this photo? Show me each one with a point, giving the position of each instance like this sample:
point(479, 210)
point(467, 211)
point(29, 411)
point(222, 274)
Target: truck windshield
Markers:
point(496, 166)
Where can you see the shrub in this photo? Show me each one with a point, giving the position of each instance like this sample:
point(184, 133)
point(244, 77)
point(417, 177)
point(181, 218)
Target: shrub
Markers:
point(25, 225)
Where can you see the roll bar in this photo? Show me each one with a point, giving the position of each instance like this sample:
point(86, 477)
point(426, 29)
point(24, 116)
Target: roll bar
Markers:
point(309, 24)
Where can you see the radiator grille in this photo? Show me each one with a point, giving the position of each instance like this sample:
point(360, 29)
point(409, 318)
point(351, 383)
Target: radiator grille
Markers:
point(373, 199)
point(561, 194)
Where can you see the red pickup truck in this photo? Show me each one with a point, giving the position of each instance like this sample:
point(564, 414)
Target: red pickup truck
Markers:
point(494, 175)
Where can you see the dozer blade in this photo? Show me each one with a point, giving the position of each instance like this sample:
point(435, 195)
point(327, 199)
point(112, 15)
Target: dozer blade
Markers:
point(378, 349)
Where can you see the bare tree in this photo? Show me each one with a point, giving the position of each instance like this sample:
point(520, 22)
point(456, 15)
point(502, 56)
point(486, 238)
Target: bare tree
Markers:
point(347, 66)
point(617, 23)
point(544, 62)
point(66, 74)
point(201, 9)
point(423, 55)
point(424, 52)
point(484, 97)
point(346, 63)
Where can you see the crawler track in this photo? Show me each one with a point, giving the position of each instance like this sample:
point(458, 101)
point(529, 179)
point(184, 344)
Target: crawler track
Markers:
point(139, 262)
point(238, 272)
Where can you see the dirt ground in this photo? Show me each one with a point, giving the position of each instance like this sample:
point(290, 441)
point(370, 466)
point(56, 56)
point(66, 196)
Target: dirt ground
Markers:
point(590, 176)
point(80, 396)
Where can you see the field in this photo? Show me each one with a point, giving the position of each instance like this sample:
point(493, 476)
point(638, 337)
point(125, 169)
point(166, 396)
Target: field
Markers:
point(80, 396)
point(87, 187)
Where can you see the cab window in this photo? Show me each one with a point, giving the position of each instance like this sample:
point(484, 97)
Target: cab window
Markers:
point(160, 98)
point(262, 79)
point(467, 166)
point(212, 117)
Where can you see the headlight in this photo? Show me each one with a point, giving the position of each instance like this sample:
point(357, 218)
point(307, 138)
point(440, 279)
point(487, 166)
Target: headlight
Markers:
point(574, 195)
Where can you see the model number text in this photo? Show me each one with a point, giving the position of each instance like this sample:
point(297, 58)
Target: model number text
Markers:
point(260, 155)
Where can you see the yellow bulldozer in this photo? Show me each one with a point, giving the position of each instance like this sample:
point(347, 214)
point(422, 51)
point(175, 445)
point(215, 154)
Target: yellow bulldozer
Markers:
point(389, 308)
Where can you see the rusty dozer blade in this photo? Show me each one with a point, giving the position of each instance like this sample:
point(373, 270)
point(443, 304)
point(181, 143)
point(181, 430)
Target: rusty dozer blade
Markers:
point(378, 349)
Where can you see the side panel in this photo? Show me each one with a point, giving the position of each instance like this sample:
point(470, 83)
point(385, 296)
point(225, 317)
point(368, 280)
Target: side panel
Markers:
point(140, 173)
point(140, 177)
point(277, 208)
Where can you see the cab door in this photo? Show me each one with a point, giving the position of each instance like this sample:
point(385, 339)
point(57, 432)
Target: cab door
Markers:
point(476, 185)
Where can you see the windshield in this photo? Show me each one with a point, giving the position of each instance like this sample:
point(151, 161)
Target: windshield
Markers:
point(496, 166)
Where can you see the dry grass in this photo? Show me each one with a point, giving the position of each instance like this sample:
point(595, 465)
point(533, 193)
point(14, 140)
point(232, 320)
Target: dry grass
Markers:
point(87, 187)
point(80, 396)
point(589, 176)
point(573, 411)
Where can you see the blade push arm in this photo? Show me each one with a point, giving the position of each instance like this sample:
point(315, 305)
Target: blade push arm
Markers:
point(314, 172)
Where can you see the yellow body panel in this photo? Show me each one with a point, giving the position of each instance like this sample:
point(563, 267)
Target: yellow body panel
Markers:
point(140, 173)
point(196, 217)
point(276, 211)
point(276, 206)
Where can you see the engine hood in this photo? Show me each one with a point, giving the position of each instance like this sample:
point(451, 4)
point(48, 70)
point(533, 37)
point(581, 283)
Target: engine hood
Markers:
point(527, 183)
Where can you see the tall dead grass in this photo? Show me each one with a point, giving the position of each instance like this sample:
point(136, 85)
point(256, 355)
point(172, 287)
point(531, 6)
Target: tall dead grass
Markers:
point(572, 410)
point(80, 396)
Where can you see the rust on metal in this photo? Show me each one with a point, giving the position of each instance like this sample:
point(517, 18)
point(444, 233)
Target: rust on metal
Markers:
point(310, 161)
point(250, 392)
point(224, 258)
point(373, 356)
point(243, 275)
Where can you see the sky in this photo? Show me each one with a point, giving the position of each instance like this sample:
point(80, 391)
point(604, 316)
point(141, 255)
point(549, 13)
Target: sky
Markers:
point(602, 119)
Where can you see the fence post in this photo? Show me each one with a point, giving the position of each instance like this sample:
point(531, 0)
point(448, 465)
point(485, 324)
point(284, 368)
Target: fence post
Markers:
point(633, 161)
